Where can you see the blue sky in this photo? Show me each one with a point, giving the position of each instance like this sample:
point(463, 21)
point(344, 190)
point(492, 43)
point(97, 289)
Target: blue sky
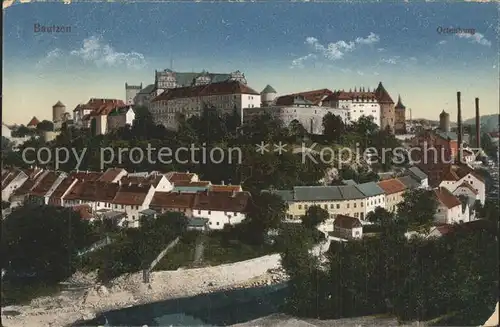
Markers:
point(292, 46)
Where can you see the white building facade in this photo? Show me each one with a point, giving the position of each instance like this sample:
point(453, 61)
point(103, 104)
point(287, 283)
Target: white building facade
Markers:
point(168, 108)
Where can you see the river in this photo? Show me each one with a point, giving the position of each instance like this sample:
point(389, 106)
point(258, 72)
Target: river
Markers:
point(222, 308)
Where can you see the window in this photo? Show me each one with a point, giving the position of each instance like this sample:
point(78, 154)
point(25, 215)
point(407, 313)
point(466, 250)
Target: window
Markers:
point(347, 206)
point(199, 212)
point(305, 206)
point(331, 206)
point(300, 206)
point(362, 215)
point(361, 204)
point(355, 204)
point(326, 206)
point(235, 213)
point(217, 223)
point(338, 206)
point(355, 215)
point(209, 212)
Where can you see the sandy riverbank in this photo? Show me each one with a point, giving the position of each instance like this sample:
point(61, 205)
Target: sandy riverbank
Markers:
point(130, 290)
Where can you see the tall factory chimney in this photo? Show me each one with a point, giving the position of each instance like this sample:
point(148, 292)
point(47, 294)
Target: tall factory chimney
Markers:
point(459, 128)
point(478, 125)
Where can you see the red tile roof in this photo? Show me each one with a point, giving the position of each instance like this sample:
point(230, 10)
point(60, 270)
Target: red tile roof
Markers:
point(347, 222)
point(62, 188)
point(33, 122)
point(175, 176)
point(110, 175)
point(219, 88)
point(45, 184)
point(99, 106)
point(85, 175)
point(447, 198)
point(173, 200)
point(315, 96)
point(9, 176)
point(349, 96)
point(237, 202)
point(93, 191)
point(153, 180)
point(131, 194)
point(26, 187)
point(391, 186)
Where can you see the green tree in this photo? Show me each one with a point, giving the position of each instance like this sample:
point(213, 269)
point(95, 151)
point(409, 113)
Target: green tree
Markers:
point(45, 126)
point(418, 208)
point(44, 240)
point(333, 127)
point(380, 216)
point(315, 215)
point(266, 212)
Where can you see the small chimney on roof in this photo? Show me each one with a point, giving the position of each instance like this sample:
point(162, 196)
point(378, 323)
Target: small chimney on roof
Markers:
point(222, 182)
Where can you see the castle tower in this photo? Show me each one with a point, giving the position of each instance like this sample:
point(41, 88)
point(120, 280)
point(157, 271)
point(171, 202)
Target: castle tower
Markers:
point(444, 121)
point(131, 92)
point(400, 117)
point(268, 95)
point(387, 114)
point(58, 114)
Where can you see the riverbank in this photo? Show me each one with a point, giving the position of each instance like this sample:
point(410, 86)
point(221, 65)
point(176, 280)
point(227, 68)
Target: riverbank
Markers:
point(129, 290)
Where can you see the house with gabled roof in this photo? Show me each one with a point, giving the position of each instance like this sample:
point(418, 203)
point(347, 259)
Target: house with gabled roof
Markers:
point(57, 196)
point(454, 176)
point(175, 177)
point(374, 196)
point(394, 190)
point(20, 195)
point(120, 117)
point(41, 193)
point(132, 199)
point(347, 227)
point(173, 202)
point(99, 195)
point(449, 209)
point(419, 175)
point(221, 208)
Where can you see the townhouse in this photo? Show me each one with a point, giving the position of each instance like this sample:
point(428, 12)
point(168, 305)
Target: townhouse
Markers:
point(374, 196)
point(120, 117)
point(450, 209)
point(132, 199)
point(394, 190)
point(99, 195)
point(163, 202)
point(57, 197)
point(221, 208)
point(41, 192)
point(454, 177)
point(348, 200)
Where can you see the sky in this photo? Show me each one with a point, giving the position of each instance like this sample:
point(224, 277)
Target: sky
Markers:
point(292, 46)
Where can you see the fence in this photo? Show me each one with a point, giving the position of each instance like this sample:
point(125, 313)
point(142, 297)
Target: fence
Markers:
point(96, 246)
point(146, 272)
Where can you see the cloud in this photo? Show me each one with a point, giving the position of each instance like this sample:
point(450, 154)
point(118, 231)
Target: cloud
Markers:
point(442, 42)
point(360, 73)
point(299, 62)
point(380, 49)
point(50, 57)
point(102, 54)
point(335, 50)
point(392, 60)
point(475, 38)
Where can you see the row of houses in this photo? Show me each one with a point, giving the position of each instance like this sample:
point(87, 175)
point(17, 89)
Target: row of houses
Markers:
point(124, 197)
point(456, 194)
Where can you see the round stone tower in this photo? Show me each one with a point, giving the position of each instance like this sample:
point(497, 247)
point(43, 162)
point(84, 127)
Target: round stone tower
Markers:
point(267, 96)
point(444, 121)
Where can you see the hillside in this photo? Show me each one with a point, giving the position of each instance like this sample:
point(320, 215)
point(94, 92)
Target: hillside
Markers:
point(489, 123)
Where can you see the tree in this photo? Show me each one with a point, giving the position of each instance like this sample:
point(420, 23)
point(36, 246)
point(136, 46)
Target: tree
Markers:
point(380, 216)
point(418, 208)
point(44, 240)
point(297, 130)
point(315, 215)
point(333, 127)
point(266, 212)
point(5, 204)
point(45, 126)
